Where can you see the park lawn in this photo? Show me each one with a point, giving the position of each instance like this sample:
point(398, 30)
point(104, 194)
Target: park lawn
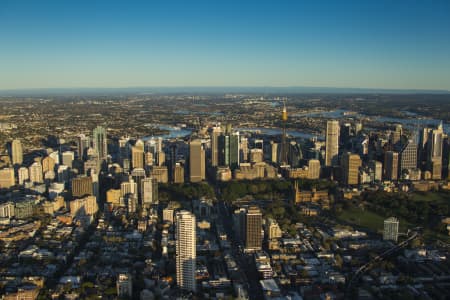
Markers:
point(431, 197)
point(367, 219)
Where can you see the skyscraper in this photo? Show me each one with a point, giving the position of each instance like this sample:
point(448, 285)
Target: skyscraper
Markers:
point(100, 142)
point(332, 143)
point(7, 179)
point(390, 231)
point(391, 165)
point(408, 156)
point(196, 161)
point(149, 191)
point(186, 250)
point(82, 145)
point(16, 152)
point(351, 163)
point(435, 147)
point(35, 173)
point(137, 155)
point(215, 133)
point(284, 146)
point(253, 225)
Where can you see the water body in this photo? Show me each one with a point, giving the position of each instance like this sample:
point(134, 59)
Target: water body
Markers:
point(174, 132)
point(278, 131)
point(410, 123)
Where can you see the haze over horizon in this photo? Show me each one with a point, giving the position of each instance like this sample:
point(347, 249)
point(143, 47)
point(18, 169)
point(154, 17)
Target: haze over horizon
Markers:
point(111, 44)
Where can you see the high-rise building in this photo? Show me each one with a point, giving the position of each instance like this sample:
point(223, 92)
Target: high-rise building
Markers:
point(332, 144)
point(196, 161)
point(396, 136)
point(313, 169)
point(186, 250)
point(243, 153)
point(390, 165)
point(229, 150)
point(377, 170)
point(67, 158)
point(137, 155)
point(435, 147)
point(23, 175)
point(82, 186)
point(284, 146)
point(149, 192)
point(215, 133)
point(390, 231)
point(35, 173)
point(253, 226)
point(83, 144)
point(408, 156)
point(7, 179)
point(178, 173)
point(124, 286)
point(294, 154)
point(83, 206)
point(273, 152)
point(48, 164)
point(160, 158)
point(16, 152)
point(351, 163)
point(99, 142)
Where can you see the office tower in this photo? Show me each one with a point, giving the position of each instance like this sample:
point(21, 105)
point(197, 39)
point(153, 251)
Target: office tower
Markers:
point(23, 175)
point(256, 155)
point(161, 174)
point(196, 161)
point(83, 144)
point(168, 213)
point(408, 156)
point(172, 161)
point(313, 169)
point(284, 150)
point(82, 186)
point(149, 192)
point(99, 142)
point(273, 152)
point(179, 173)
point(124, 148)
point(215, 133)
point(390, 232)
point(358, 127)
point(273, 230)
point(396, 136)
point(137, 155)
point(344, 134)
point(67, 158)
point(332, 144)
point(148, 159)
point(92, 164)
point(124, 286)
point(234, 150)
point(351, 163)
point(224, 150)
point(294, 154)
point(186, 250)
point(243, 153)
point(83, 206)
point(253, 226)
point(48, 164)
point(55, 156)
point(160, 158)
point(259, 144)
point(16, 152)
point(7, 179)
point(377, 169)
point(35, 173)
point(138, 174)
point(435, 147)
point(7, 210)
point(390, 165)
point(128, 187)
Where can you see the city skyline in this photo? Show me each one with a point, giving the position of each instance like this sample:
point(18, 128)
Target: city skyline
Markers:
point(382, 45)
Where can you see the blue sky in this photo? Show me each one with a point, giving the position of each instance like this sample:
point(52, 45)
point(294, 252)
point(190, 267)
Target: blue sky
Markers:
point(362, 44)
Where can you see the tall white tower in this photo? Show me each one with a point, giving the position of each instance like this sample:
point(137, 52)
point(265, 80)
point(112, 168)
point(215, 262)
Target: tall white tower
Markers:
point(186, 250)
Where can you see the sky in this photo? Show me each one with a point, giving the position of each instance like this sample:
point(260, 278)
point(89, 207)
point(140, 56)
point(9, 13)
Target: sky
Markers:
point(402, 44)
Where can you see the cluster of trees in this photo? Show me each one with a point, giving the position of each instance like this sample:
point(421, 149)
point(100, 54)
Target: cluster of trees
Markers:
point(421, 212)
point(186, 191)
point(260, 189)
